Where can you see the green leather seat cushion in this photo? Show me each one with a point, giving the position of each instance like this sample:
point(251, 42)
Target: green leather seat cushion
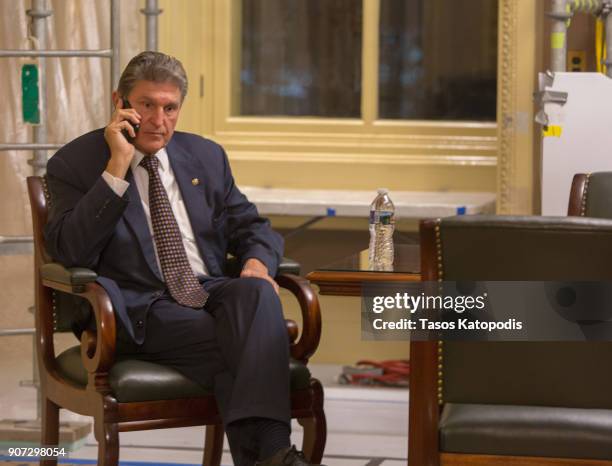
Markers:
point(134, 380)
point(556, 432)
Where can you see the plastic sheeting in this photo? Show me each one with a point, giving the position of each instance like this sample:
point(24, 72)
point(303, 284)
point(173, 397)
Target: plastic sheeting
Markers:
point(77, 89)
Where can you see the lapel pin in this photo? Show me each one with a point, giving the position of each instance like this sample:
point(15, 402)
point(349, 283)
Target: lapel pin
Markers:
point(195, 182)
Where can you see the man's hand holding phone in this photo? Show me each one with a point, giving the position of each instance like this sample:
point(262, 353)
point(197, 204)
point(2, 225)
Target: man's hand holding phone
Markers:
point(126, 104)
point(122, 151)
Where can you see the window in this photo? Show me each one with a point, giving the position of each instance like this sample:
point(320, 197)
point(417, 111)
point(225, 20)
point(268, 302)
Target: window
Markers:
point(436, 59)
point(300, 58)
point(399, 82)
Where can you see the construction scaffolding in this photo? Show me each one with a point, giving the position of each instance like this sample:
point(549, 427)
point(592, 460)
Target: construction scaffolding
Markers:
point(573, 108)
point(40, 14)
point(561, 15)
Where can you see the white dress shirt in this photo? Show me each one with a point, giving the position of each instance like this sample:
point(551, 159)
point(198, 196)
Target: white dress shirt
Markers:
point(141, 178)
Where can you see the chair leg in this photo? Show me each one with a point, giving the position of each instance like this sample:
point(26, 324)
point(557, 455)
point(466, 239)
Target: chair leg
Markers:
point(213, 445)
point(50, 428)
point(107, 436)
point(315, 427)
point(315, 433)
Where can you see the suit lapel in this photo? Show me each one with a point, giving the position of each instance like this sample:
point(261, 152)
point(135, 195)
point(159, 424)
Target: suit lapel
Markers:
point(186, 169)
point(135, 217)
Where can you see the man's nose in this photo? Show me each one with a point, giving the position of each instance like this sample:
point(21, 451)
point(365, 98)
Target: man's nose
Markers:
point(157, 116)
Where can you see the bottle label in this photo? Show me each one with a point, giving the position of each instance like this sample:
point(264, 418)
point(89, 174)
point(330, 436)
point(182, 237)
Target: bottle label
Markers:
point(384, 217)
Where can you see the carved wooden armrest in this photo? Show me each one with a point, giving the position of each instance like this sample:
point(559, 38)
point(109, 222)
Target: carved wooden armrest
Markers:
point(97, 348)
point(305, 347)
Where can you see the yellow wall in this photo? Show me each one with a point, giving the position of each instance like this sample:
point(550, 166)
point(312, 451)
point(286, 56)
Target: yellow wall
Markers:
point(341, 154)
point(354, 154)
point(181, 33)
point(499, 157)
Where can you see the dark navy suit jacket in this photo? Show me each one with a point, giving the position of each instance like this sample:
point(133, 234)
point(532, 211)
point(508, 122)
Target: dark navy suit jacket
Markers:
point(90, 226)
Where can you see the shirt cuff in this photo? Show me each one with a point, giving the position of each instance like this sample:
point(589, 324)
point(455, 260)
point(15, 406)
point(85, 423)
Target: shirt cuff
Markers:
point(118, 185)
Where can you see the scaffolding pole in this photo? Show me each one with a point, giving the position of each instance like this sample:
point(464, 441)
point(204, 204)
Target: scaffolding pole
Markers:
point(562, 13)
point(29, 146)
point(39, 14)
point(106, 53)
point(151, 12)
point(607, 9)
point(115, 38)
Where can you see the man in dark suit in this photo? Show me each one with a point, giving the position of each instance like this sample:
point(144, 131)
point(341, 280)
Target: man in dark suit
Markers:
point(154, 212)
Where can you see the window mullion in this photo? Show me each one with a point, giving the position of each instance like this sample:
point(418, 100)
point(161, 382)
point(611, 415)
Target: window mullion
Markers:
point(369, 64)
point(236, 57)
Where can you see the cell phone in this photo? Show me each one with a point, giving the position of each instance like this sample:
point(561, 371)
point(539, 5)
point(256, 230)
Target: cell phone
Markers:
point(130, 139)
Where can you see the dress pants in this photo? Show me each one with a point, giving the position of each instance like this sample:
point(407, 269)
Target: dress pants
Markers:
point(238, 344)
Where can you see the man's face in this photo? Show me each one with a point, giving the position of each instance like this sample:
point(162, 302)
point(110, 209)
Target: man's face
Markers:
point(159, 105)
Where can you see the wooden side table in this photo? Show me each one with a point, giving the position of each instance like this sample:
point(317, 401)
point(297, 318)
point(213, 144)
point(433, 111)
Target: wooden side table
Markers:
point(346, 277)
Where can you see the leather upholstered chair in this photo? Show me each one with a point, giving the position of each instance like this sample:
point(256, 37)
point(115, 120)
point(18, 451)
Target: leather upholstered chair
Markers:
point(591, 195)
point(128, 395)
point(512, 403)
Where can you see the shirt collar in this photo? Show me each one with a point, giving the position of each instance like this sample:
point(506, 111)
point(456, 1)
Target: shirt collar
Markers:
point(161, 154)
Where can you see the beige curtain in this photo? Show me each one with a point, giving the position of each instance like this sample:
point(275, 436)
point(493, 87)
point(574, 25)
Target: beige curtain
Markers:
point(78, 101)
point(77, 89)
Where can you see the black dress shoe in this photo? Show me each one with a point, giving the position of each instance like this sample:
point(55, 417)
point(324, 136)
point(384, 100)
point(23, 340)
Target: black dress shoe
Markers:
point(289, 456)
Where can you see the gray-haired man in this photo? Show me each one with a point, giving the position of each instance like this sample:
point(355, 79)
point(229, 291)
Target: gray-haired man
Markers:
point(155, 211)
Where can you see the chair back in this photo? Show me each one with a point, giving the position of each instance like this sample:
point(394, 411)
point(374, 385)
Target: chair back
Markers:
point(69, 313)
point(39, 200)
point(571, 374)
point(591, 195)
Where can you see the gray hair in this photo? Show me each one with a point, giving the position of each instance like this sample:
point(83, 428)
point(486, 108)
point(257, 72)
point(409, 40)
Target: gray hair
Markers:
point(153, 66)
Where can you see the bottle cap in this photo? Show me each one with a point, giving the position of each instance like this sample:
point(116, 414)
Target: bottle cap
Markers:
point(383, 190)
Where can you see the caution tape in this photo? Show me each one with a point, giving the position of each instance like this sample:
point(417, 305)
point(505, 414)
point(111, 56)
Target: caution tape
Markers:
point(552, 131)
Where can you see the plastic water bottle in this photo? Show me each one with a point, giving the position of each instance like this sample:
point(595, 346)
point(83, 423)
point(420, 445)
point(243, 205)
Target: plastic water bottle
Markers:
point(382, 224)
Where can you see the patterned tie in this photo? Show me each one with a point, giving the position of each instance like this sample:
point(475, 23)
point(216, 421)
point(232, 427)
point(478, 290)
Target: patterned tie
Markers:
point(180, 279)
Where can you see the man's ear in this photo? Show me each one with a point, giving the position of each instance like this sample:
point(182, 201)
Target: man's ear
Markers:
point(116, 98)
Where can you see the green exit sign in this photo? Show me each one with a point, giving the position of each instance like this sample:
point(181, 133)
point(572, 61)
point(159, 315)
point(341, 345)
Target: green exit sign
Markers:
point(30, 94)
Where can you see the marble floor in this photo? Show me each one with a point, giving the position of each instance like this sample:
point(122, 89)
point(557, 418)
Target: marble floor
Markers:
point(366, 426)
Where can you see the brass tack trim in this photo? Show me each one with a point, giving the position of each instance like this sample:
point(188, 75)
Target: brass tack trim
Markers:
point(583, 203)
point(46, 192)
point(440, 374)
point(439, 250)
point(54, 307)
point(440, 269)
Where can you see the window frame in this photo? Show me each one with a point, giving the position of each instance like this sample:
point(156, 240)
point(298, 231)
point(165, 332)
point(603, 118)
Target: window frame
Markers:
point(364, 140)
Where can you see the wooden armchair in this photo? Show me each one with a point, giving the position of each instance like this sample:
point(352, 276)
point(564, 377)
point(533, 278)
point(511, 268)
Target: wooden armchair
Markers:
point(591, 195)
point(512, 403)
point(128, 395)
